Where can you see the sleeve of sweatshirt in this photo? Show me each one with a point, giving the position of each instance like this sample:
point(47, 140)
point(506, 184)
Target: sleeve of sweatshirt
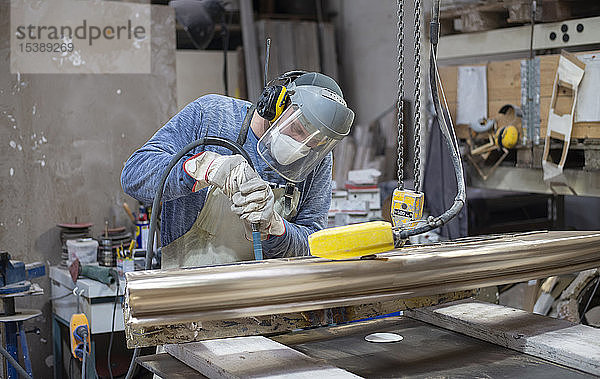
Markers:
point(311, 217)
point(142, 171)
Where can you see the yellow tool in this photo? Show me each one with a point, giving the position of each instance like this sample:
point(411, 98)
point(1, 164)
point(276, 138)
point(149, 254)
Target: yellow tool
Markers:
point(79, 329)
point(352, 241)
point(131, 247)
point(407, 208)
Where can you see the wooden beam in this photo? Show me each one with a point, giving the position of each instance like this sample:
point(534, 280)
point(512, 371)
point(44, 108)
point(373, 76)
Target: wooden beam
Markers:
point(253, 76)
point(243, 357)
point(164, 366)
point(558, 341)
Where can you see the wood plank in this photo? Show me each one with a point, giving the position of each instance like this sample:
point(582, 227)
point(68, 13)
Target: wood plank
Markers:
point(266, 29)
point(559, 341)
point(255, 357)
point(253, 77)
point(284, 46)
point(329, 65)
point(167, 367)
point(306, 45)
point(425, 352)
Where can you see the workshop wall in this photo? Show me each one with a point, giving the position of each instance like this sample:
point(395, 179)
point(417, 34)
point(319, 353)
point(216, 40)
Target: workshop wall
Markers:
point(366, 34)
point(63, 142)
point(366, 37)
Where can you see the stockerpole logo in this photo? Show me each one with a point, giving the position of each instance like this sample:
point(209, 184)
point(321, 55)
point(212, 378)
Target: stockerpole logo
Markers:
point(69, 36)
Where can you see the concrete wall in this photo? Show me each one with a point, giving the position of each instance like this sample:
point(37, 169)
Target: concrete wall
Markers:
point(201, 72)
point(63, 142)
point(366, 37)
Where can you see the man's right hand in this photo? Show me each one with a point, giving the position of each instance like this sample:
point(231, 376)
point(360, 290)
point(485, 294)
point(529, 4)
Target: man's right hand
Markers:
point(224, 171)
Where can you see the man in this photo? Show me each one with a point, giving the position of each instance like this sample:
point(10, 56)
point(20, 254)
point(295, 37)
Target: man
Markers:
point(212, 197)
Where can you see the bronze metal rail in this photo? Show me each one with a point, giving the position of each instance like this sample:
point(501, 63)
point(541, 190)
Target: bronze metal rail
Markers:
point(277, 286)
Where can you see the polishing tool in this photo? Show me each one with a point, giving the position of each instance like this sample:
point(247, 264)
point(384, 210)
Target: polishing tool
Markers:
point(352, 241)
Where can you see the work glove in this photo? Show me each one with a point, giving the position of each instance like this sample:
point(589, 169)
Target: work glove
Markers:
point(223, 171)
point(253, 202)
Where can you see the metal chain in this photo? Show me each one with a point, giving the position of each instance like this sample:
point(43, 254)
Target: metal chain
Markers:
point(417, 128)
point(400, 38)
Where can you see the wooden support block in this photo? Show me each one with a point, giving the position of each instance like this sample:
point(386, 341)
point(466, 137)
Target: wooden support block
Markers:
point(477, 21)
point(166, 367)
point(559, 341)
point(592, 155)
point(538, 152)
point(251, 357)
point(525, 157)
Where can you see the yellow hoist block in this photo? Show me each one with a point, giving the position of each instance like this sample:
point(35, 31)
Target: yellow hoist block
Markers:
point(407, 208)
point(352, 241)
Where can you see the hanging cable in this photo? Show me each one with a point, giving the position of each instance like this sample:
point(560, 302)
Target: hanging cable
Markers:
point(400, 38)
point(112, 330)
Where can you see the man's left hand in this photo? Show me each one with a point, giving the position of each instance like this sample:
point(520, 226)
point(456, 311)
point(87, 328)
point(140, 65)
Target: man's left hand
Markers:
point(253, 202)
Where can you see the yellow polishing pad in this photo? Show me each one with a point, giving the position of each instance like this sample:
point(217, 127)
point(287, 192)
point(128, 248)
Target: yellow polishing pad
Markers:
point(352, 241)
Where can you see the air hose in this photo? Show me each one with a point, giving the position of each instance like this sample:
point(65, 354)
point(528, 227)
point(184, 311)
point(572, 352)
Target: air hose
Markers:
point(215, 141)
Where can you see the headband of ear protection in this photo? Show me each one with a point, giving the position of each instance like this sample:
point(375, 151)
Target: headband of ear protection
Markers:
point(275, 96)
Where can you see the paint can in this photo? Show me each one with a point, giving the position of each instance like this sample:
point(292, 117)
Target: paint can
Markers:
point(142, 228)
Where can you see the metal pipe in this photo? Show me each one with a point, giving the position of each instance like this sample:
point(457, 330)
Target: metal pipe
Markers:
point(287, 285)
point(14, 363)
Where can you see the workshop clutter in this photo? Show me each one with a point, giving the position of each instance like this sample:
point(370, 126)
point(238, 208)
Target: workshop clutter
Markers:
point(113, 243)
point(505, 82)
point(84, 249)
point(359, 202)
point(71, 232)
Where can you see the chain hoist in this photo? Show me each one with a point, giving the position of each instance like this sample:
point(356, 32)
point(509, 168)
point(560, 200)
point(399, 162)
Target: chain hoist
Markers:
point(407, 205)
point(400, 39)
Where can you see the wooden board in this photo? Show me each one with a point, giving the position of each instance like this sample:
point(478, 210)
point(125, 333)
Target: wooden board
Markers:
point(251, 357)
point(329, 65)
point(253, 77)
point(425, 352)
point(415, 356)
point(559, 341)
point(166, 367)
point(294, 46)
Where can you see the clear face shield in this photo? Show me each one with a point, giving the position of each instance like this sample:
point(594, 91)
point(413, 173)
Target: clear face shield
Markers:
point(293, 146)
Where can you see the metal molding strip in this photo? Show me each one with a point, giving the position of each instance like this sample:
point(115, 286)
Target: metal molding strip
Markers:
point(162, 297)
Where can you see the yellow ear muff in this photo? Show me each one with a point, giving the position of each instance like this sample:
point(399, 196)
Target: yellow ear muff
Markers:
point(507, 137)
point(281, 102)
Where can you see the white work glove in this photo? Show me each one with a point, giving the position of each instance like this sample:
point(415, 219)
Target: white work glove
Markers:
point(223, 171)
point(253, 202)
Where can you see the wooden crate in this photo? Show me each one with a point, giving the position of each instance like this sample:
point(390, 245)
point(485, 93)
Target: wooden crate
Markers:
point(504, 87)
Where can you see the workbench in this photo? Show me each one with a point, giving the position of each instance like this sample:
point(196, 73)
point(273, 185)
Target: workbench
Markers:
point(94, 299)
point(425, 351)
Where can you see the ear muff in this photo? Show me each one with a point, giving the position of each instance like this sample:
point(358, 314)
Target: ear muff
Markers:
point(272, 102)
point(274, 98)
point(507, 137)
